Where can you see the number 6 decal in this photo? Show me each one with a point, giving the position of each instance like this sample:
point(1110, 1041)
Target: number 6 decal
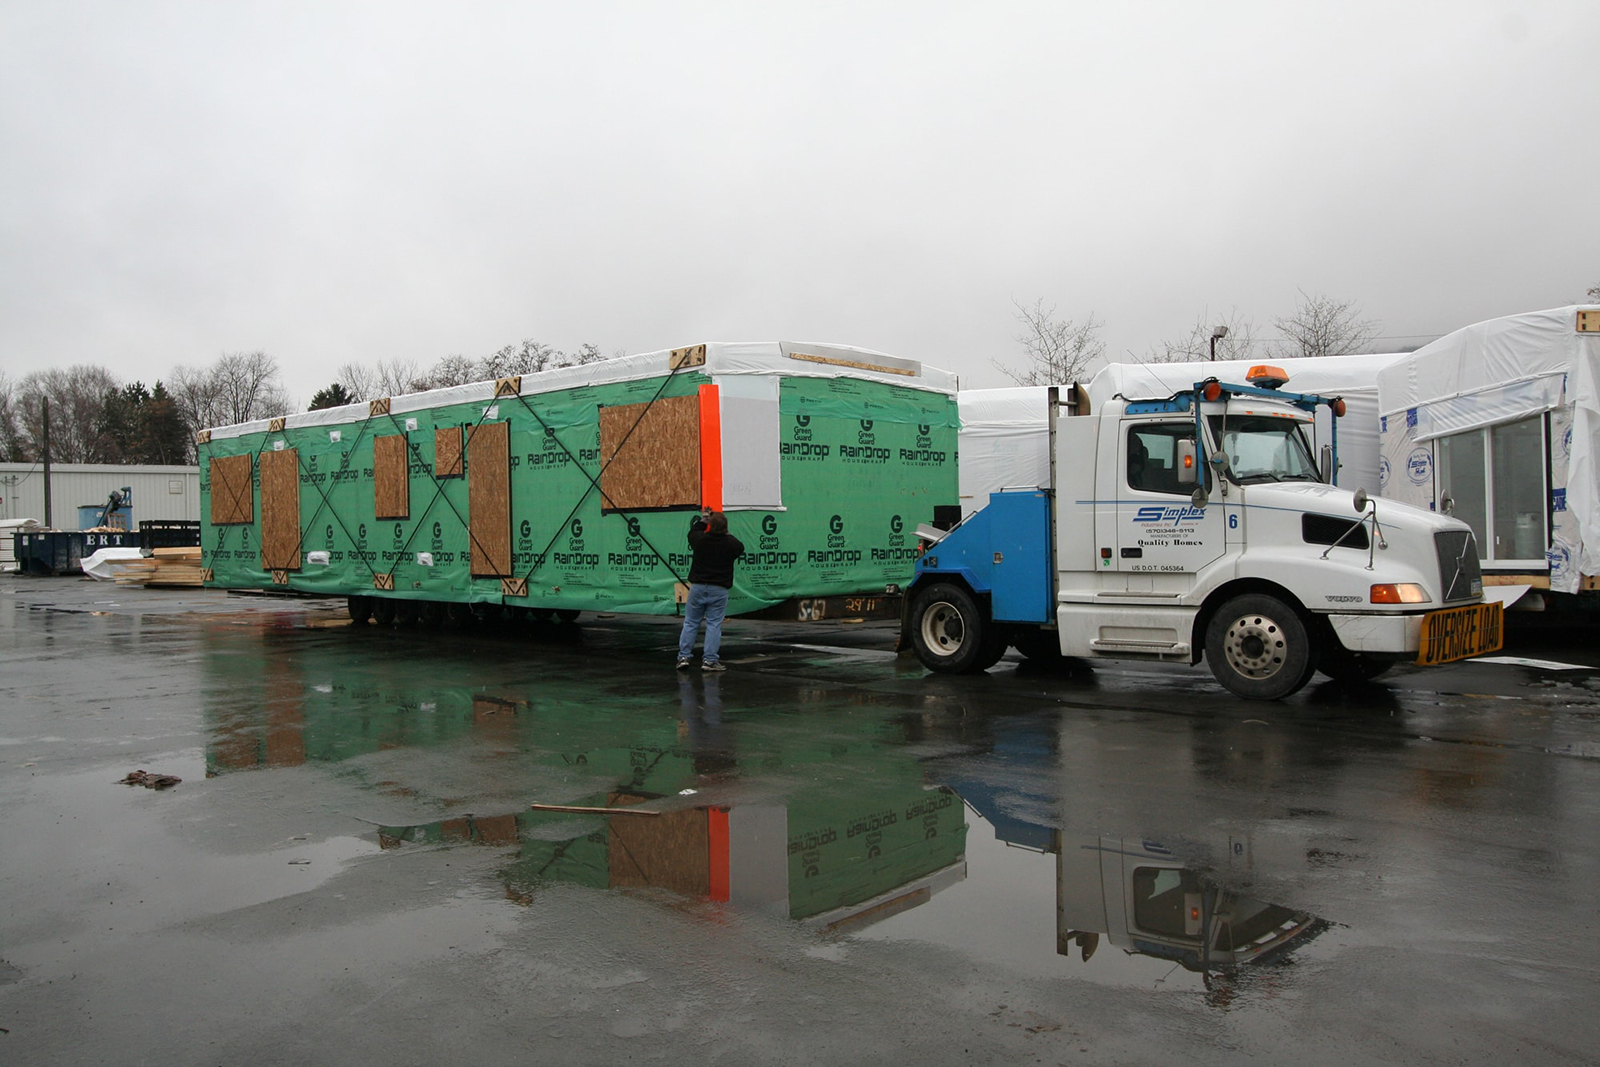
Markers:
point(1233, 521)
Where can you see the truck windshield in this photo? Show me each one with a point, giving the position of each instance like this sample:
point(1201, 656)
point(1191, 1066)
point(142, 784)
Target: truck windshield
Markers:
point(1264, 448)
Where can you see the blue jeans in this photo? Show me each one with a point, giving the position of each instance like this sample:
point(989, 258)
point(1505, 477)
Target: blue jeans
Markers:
point(708, 602)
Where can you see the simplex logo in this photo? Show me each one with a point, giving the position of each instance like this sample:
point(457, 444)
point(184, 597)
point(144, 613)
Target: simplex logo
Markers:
point(1419, 466)
point(1383, 472)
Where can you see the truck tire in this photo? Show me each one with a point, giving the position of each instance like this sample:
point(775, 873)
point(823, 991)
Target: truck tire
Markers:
point(950, 634)
point(383, 611)
point(360, 608)
point(1345, 666)
point(1259, 648)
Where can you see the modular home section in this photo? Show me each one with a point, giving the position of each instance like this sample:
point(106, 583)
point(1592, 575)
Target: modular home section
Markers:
point(573, 489)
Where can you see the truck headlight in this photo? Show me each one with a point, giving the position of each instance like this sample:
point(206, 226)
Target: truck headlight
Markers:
point(1403, 593)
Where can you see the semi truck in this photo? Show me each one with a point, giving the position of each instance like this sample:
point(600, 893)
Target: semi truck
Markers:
point(1205, 523)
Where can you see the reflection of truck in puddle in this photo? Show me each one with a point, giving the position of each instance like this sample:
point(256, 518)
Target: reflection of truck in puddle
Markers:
point(1146, 900)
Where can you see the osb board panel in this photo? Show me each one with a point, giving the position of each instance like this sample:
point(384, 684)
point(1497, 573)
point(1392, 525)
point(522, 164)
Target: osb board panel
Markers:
point(657, 464)
point(447, 452)
point(280, 510)
point(671, 851)
point(391, 478)
point(232, 496)
point(489, 499)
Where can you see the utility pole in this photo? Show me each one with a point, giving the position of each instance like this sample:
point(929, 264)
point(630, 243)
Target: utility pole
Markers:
point(48, 525)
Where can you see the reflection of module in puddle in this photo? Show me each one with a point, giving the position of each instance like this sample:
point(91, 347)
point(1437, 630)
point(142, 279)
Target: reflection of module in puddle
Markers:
point(839, 861)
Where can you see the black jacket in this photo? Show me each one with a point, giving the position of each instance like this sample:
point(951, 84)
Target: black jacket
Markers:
point(713, 555)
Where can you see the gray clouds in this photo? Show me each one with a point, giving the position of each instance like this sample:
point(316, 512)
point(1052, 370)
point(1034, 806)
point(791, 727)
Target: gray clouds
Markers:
point(332, 182)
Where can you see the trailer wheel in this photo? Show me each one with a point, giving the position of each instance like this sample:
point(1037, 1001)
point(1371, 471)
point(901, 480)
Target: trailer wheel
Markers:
point(360, 608)
point(566, 614)
point(1259, 648)
point(950, 634)
point(383, 611)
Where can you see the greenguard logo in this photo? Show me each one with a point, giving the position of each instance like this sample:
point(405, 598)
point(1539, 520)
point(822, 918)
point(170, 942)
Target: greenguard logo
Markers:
point(897, 550)
point(575, 556)
point(636, 554)
point(769, 551)
point(866, 448)
point(802, 446)
point(836, 552)
point(924, 454)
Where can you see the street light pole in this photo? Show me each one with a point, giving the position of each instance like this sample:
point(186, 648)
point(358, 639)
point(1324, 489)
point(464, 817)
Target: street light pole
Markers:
point(1216, 335)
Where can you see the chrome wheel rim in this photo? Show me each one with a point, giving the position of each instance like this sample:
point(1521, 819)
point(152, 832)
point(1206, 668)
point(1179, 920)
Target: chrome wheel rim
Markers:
point(1255, 646)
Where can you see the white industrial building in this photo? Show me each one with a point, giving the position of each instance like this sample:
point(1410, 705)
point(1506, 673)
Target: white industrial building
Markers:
point(158, 492)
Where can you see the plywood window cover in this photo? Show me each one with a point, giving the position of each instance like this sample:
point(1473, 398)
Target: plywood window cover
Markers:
point(391, 477)
point(232, 495)
point(489, 499)
point(280, 510)
point(650, 455)
point(447, 452)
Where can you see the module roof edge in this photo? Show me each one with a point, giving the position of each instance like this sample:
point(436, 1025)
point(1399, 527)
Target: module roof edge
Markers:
point(722, 357)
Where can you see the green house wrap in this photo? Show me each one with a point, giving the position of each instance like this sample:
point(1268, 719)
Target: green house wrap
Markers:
point(573, 489)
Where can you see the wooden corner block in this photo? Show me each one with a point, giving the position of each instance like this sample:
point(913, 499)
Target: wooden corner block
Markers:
point(513, 587)
point(511, 386)
point(384, 582)
point(280, 577)
point(693, 356)
point(680, 593)
point(207, 574)
point(378, 407)
point(203, 437)
point(276, 425)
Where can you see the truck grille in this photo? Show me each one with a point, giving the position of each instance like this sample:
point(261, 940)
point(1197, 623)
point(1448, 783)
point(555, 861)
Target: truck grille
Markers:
point(1459, 574)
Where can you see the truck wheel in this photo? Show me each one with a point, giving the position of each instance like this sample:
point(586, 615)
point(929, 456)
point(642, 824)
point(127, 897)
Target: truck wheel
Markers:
point(1258, 648)
point(383, 611)
point(360, 608)
point(950, 633)
point(1344, 666)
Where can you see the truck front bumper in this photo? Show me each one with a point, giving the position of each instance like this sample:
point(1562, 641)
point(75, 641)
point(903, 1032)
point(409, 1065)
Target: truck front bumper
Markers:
point(1378, 633)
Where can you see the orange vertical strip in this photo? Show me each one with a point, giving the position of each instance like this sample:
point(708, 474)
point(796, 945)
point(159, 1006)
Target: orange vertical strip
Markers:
point(717, 846)
point(710, 448)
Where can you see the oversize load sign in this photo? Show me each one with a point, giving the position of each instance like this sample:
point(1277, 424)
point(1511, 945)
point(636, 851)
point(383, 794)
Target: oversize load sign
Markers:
point(1461, 632)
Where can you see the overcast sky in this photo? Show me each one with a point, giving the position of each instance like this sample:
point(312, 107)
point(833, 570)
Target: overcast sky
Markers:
point(337, 182)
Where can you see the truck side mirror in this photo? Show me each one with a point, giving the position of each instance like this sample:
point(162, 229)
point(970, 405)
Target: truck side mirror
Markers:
point(1325, 466)
point(1187, 460)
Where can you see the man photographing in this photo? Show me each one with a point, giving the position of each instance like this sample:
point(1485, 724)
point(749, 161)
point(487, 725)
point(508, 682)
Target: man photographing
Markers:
point(710, 578)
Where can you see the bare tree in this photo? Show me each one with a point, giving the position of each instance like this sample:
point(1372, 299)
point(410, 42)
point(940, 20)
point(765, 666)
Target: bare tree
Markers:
point(238, 387)
point(12, 447)
point(1323, 326)
point(1594, 293)
point(1058, 351)
point(357, 381)
point(1240, 342)
point(77, 407)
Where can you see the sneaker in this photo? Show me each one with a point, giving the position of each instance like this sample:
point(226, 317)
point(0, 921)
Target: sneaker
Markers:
point(683, 664)
point(714, 665)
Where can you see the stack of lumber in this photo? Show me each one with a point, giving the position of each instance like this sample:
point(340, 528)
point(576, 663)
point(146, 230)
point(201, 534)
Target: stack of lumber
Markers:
point(164, 567)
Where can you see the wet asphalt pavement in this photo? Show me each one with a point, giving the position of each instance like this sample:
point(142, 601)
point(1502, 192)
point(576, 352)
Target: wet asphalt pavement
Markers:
point(1123, 865)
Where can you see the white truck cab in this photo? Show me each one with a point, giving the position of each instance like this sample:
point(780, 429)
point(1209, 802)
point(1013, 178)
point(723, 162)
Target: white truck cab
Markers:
point(1201, 523)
